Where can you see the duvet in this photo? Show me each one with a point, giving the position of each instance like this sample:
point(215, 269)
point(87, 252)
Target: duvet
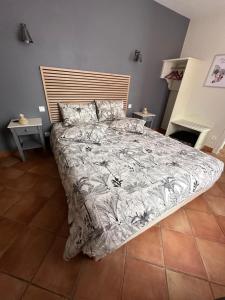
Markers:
point(119, 188)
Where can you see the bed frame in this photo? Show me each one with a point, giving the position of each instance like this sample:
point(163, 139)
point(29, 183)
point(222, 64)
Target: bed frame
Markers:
point(80, 87)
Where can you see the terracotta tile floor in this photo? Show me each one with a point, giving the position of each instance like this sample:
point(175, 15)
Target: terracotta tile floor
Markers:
point(183, 257)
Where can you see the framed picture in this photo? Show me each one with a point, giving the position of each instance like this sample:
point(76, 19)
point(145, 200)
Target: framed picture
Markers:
point(216, 74)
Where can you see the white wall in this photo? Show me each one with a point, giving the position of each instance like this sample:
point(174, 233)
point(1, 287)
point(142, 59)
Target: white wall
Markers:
point(206, 38)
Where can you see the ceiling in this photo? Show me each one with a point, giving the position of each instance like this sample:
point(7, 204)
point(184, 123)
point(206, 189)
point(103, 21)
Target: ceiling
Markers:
point(195, 8)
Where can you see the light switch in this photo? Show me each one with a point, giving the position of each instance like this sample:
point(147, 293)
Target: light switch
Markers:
point(129, 105)
point(41, 108)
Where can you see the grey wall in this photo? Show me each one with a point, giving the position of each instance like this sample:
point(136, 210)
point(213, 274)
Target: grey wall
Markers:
point(97, 35)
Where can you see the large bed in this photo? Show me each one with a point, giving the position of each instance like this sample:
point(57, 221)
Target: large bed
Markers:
point(118, 188)
point(130, 182)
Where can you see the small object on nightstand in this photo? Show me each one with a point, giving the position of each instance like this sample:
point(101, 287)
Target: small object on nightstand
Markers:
point(19, 131)
point(145, 110)
point(23, 120)
point(148, 117)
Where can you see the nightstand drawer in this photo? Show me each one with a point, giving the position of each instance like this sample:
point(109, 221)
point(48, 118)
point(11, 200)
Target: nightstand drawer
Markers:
point(26, 130)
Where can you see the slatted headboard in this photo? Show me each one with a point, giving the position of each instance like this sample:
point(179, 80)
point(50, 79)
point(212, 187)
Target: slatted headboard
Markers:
point(75, 86)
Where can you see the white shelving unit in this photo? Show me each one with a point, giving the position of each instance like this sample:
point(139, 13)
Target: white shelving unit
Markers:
point(180, 96)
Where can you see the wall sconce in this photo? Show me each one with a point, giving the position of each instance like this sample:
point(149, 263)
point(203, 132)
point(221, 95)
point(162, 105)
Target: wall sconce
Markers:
point(138, 56)
point(25, 35)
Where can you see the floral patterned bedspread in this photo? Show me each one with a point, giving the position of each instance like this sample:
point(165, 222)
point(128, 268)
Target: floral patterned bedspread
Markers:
point(117, 188)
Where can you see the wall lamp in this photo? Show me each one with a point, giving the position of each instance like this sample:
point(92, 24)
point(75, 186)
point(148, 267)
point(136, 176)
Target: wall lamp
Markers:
point(137, 56)
point(25, 35)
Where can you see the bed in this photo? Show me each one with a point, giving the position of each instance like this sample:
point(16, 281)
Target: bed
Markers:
point(127, 183)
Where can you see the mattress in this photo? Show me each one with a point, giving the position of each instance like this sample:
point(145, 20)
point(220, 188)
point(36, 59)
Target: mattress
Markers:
point(117, 189)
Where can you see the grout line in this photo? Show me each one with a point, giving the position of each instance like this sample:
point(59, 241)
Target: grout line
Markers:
point(24, 292)
point(47, 290)
point(14, 276)
point(189, 222)
point(211, 289)
point(195, 236)
point(146, 261)
point(169, 268)
point(76, 282)
point(43, 259)
point(162, 245)
point(124, 267)
point(203, 262)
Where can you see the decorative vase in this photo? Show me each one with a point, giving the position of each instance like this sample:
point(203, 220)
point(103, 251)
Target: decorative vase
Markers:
point(22, 120)
point(145, 110)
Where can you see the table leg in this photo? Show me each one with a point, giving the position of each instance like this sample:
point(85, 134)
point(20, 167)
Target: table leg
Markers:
point(42, 137)
point(18, 144)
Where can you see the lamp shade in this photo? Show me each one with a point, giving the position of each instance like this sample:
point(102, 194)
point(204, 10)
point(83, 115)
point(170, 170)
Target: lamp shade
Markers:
point(25, 35)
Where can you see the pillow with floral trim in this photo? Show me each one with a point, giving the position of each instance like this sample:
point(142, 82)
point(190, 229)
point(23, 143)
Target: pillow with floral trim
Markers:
point(129, 125)
point(109, 110)
point(76, 114)
point(86, 133)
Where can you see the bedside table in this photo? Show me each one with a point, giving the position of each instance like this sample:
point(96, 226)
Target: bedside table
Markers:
point(34, 126)
point(149, 118)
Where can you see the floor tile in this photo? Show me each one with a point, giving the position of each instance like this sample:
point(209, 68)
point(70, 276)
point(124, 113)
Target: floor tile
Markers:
point(215, 191)
point(48, 169)
point(213, 255)
point(178, 221)
point(8, 162)
point(222, 178)
point(143, 281)
point(217, 204)
point(222, 186)
point(10, 173)
point(181, 253)
point(56, 274)
point(11, 288)
point(51, 216)
point(23, 183)
point(147, 246)
point(103, 279)
point(64, 230)
point(218, 290)
point(1, 187)
point(23, 258)
point(205, 226)
point(9, 231)
point(46, 186)
point(7, 199)
point(221, 222)
point(28, 164)
point(185, 287)
point(36, 293)
point(26, 208)
point(199, 204)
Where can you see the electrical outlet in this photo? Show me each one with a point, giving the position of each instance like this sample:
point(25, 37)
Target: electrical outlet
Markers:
point(129, 105)
point(41, 108)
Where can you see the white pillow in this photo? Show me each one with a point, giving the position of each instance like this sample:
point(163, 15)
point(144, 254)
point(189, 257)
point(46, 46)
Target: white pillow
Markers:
point(86, 133)
point(129, 125)
point(76, 114)
point(109, 110)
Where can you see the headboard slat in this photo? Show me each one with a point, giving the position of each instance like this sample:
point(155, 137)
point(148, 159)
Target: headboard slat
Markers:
point(76, 86)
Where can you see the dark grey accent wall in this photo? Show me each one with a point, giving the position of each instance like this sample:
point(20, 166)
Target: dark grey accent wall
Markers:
point(95, 35)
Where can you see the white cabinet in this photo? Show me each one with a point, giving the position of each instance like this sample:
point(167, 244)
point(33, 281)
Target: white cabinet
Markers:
point(181, 95)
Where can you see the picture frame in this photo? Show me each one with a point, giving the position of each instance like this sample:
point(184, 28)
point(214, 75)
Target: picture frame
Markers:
point(216, 74)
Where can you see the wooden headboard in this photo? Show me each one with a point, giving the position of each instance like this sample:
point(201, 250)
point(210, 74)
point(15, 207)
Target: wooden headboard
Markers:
point(75, 86)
